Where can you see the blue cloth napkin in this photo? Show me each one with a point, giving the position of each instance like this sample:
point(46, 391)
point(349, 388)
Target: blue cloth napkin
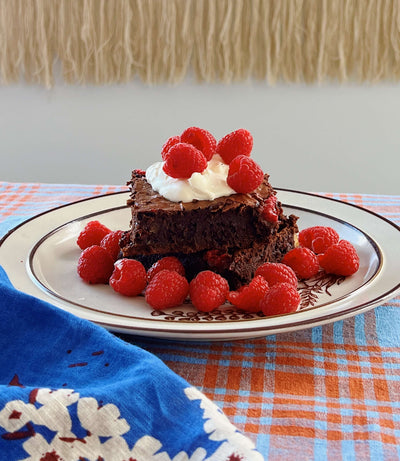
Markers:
point(70, 390)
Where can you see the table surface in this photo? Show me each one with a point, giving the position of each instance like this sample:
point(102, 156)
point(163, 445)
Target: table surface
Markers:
point(330, 392)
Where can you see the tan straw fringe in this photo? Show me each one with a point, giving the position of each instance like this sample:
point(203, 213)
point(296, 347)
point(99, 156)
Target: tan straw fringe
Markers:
point(158, 41)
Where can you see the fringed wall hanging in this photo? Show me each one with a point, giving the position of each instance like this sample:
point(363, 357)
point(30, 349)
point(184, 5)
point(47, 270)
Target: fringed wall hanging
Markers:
point(159, 41)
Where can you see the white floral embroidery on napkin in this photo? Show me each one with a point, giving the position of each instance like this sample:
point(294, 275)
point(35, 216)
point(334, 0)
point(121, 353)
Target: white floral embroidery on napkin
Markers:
point(105, 427)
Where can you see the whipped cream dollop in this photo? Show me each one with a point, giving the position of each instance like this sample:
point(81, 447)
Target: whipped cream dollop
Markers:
point(208, 185)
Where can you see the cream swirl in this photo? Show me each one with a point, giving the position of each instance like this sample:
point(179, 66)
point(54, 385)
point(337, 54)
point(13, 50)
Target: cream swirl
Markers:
point(208, 185)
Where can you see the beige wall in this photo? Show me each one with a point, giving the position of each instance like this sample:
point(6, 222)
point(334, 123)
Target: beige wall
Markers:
point(327, 138)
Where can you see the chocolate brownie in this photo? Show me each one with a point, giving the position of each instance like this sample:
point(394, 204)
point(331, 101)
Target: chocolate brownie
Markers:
point(236, 265)
point(229, 234)
point(161, 226)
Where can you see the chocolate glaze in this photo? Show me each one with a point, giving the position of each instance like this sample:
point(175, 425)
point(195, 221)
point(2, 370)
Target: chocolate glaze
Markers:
point(145, 199)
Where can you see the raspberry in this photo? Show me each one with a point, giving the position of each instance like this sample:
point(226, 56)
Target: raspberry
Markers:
point(166, 289)
point(218, 260)
point(92, 234)
point(269, 210)
point(340, 259)
point(95, 265)
point(248, 297)
point(168, 144)
point(303, 261)
point(129, 277)
point(244, 175)
point(111, 243)
point(183, 160)
point(282, 298)
point(201, 139)
point(208, 291)
point(239, 142)
point(318, 238)
point(277, 273)
point(170, 263)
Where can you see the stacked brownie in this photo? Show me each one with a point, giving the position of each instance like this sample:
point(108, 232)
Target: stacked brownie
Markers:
point(229, 235)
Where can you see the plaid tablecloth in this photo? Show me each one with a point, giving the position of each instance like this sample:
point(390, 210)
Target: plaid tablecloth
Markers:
point(331, 392)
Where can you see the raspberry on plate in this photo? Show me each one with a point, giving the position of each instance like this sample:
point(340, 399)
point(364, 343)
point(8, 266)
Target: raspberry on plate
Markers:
point(248, 297)
point(183, 160)
point(208, 290)
point(282, 298)
point(92, 234)
point(201, 139)
point(170, 263)
point(168, 144)
point(129, 277)
point(95, 265)
point(303, 261)
point(318, 238)
point(239, 142)
point(340, 259)
point(111, 243)
point(244, 174)
point(166, 289)
point(277, 273)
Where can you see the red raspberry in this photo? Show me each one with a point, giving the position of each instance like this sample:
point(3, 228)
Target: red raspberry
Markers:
point(303, 261)
point(248, 297)
point(239, 142)
point(168, 144)
point(282, 298)
point(277, 273)
point(183, 160)
point(218, 260)
point(318, 238)
point(208, 291)
point(95, 265)
point(92, 234)
point(269, 210)
point(340, 259)
point(111, 243)
point(129, 277)
point(201, 139)
point(244, 175)
point(166, 289)
point(170, 263)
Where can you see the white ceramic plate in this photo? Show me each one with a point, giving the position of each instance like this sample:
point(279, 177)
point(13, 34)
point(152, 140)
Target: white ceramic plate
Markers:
point(40, 257)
